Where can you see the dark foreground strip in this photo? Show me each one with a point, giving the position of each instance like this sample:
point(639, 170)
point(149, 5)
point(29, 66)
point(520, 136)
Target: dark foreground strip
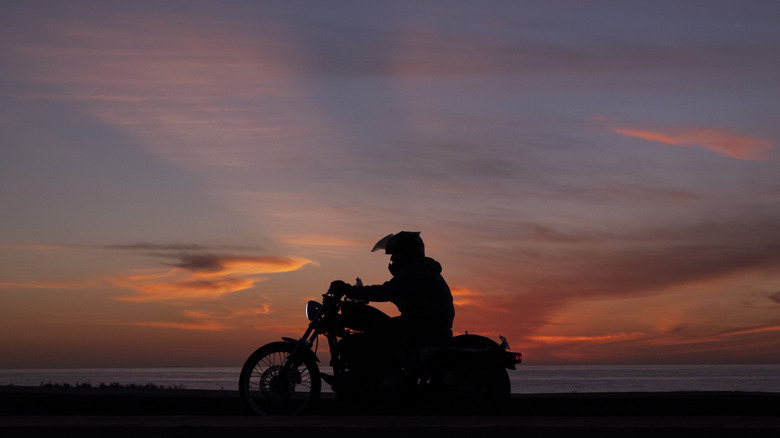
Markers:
point(387, 426)
point(117, 402)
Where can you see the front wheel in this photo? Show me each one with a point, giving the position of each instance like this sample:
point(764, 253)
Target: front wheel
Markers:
point(269, 385)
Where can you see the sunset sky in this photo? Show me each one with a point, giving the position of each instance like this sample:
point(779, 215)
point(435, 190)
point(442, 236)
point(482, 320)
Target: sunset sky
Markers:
point(599, 179)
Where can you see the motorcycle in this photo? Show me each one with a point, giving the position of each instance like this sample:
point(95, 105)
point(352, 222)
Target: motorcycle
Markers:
point(466, 375)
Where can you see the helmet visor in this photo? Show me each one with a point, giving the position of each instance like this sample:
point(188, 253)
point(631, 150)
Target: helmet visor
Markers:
point(382, 244)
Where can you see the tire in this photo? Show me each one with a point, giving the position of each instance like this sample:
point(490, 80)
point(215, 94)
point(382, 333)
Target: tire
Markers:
point(471, 388)
point(266, 392)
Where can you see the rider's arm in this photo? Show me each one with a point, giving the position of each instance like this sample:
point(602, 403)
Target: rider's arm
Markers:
point(386, 291)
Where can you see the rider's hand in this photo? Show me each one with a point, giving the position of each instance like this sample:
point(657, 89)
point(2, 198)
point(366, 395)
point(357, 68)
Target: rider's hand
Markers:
point(338, 287)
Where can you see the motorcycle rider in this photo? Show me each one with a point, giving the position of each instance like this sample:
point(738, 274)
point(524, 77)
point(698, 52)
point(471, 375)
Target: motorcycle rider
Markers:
point(417, 288)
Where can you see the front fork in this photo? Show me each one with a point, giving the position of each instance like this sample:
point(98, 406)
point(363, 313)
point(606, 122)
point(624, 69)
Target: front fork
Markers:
point(302, 348)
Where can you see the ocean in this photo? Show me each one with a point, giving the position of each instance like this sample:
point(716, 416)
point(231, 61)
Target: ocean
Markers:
point(527, 379)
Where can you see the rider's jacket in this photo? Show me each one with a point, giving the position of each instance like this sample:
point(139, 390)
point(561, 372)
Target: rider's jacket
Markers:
point(418, 290)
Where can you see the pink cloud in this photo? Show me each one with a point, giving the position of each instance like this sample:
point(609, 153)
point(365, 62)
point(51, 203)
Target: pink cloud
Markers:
point(722, 141)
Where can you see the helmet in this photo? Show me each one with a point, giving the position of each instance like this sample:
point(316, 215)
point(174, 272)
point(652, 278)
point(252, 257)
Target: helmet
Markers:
point(404, 244)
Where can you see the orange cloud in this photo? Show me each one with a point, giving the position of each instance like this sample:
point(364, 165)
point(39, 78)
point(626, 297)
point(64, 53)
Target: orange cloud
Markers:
point(601, 339)
point(722, 141)
point(211, 326)
point(462, 297)
point(208, 321)
point(262, 309)
point(203, 277)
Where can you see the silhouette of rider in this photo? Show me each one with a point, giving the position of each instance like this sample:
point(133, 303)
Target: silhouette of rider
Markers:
point(417, 289)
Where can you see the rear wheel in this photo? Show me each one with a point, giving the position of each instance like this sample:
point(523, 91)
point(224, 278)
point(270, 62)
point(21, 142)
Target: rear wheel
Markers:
point(475, 389)
point(269, 388)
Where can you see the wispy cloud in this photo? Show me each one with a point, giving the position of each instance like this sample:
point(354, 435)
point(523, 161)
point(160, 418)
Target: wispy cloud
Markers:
point(721, 336)
point(639, 192)
point(721, 141)
point(472, 299)
point(170, 79)
point(212, 320)
point(327, 245)
point(52, 284)
point(463, 297)
point(211, 326)
point(597, 339)
point(764, 328)
point(320, 240)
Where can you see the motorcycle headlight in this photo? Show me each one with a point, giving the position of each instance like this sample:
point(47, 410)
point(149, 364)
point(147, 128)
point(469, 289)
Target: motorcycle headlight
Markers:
point(312, 309)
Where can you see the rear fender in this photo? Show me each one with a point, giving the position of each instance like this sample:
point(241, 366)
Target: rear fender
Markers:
point(478, 347)
point(473, 341)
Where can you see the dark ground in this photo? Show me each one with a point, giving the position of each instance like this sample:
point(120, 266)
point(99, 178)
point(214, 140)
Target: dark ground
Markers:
point(86, 412)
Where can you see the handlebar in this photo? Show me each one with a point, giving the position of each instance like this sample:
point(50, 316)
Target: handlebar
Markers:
point(336, 296)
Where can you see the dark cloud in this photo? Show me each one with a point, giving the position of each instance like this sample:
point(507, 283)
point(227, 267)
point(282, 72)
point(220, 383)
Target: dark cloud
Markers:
point(775, 297)
point(190, 256)
point(559, 263)
point(146, 246)
point(646, 269)
point(199, 262)
point(206, 262)
point(143, 246)
point(656, 265)
point(217, 284)
point(156, 247)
